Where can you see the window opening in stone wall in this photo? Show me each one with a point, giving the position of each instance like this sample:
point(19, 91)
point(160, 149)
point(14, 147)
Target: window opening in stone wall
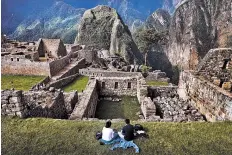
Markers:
point(225, 63)
point(116, 85)
point(17, 59)
point(11, 59)
point(129, 85)
point(221, 82)
point(103, 85)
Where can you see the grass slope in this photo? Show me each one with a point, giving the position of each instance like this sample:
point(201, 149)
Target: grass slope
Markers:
point(19, 82)
point(40, 136)
point(79, 84)
point(127, 108)
point(156, 83)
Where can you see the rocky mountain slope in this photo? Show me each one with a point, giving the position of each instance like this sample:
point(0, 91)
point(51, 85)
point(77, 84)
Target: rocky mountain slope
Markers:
point(159, 20)
point(132, 17)
point(153, 39)
point(196, 27)
point(171, 5)
point(102, 28)
point(59, 21)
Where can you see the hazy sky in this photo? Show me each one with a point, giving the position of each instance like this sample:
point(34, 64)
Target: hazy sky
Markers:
point(25, 7)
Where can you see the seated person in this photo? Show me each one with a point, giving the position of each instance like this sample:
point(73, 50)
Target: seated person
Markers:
point(108, 135)
point(127, 136)
point(127, 132)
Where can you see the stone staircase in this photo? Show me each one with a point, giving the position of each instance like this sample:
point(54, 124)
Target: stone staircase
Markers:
point(64, 71)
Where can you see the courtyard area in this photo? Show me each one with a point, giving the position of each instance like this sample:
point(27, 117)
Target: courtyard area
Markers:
point(126, 108)
point(49, 136)
point(79, 84)
point(19, 82)
point(156, 83)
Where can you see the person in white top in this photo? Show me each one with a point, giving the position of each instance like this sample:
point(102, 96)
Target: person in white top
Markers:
point(108, 135)
point(107, 132)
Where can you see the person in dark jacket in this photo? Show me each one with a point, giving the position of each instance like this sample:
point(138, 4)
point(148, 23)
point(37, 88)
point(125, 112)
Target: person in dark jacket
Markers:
point(127, 138)
point(128, 131)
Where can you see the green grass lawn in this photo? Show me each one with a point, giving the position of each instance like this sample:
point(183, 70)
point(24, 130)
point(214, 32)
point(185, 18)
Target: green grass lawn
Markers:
point(40, 136)
point(79, 84)
point(127, 108)
point(19, 82)
point(156, 83)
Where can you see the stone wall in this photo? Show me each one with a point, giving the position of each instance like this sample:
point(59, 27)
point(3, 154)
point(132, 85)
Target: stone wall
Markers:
point(74, 69)
point(12, 104)
point(87, 103)
point(105, 73)
point(70, 99)
point(51, 104)
point(170, 108)
point(45, 104)
point(41, 84)
point(117, 86)
point(157, 75)
point(59, 64)
point(54, 47)
point(148, 109)
point(24, 67)
point(214, 102)
point(88, 55)
point(163, 91)
point(63, 82)
point(217, 67)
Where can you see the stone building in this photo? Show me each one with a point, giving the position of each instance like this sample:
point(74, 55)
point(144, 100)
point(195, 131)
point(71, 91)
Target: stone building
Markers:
point(52, 48)
point(210, 86)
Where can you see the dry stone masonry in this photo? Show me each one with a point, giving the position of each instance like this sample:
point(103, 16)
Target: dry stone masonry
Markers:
point(51, 104)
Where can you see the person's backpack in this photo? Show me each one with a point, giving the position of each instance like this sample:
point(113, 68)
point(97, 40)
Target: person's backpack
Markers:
point(138, 127)
point(98, 135)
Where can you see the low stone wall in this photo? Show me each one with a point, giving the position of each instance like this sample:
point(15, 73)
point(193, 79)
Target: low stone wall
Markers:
point(214, 102)
point(74, 69)
point(117, 86)
point(41, 84)
point(63, 82)
point(24, 67)
point(45, 104)
point(57, 65)
point(163, 91)
point(148, 109)
point(87, 103)
point(70, 99)
point(157, 75)
point(12, 104)
point(51, 104)
point(105, 73)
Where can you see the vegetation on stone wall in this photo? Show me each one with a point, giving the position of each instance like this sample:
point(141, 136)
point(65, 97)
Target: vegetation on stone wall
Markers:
point(19, 82)
point(79, 84)
point(176, 75)
point(50, 136)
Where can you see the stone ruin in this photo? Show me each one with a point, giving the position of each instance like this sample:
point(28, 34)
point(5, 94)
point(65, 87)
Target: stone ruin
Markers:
point(171, 108)
point(51, 104)
point(206, 91)
point(210, 86)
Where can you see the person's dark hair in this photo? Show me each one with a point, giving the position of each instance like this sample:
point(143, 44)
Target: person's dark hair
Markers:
point(127, 121)
point(108, 124)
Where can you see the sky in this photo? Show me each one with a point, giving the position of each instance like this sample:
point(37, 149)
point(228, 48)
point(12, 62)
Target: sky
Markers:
point(23, 8)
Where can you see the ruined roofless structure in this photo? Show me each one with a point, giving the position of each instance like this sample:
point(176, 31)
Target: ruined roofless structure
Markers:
point(51, 48)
